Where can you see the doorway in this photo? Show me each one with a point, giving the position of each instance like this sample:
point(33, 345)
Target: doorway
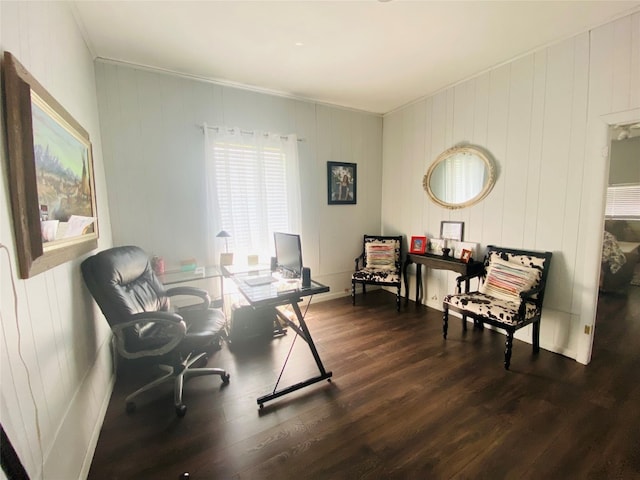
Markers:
point(620, 267)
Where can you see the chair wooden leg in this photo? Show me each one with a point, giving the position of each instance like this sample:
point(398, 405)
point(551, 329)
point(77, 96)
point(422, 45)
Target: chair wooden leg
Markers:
point(507, 350)
point(536, 336)
point(353, 293)
point(445, 322)
point(464, 323)
point(398, 300)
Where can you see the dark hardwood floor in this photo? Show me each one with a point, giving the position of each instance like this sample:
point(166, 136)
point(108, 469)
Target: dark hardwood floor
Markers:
point(403, 404)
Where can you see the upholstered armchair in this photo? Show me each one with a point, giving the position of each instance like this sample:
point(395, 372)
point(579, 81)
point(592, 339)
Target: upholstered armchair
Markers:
point(509, 297)
point(137, 307)
point(380, 263)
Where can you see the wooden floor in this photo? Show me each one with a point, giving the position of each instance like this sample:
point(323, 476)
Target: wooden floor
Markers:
point(403, 404)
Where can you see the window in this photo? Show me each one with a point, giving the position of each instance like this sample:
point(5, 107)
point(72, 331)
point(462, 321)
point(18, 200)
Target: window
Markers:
point(623, 201)
point(254, 188)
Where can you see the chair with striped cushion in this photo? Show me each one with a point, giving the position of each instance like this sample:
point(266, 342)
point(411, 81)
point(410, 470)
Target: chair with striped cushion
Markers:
point(509, 297)
point(380, 263)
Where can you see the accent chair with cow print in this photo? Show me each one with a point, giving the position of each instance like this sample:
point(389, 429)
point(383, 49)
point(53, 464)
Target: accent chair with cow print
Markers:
point(509, 297)
point(380, 263)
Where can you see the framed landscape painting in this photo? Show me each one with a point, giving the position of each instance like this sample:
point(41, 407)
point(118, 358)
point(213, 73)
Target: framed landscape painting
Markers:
point(51, 175)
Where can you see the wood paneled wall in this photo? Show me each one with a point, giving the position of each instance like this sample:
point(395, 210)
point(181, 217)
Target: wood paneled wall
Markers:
point(55, 357)
point(154, 162)
point(540, 116)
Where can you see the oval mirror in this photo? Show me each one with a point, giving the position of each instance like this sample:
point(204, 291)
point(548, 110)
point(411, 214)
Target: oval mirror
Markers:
point(459, 177)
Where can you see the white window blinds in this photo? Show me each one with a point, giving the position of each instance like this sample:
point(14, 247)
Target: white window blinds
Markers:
point(254, 188)
point(623, 201)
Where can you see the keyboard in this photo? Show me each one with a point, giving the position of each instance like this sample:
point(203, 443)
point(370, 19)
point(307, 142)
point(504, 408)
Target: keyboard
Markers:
point(261, 280)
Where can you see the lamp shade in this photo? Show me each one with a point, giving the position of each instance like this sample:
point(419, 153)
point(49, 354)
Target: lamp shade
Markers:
point(224, 234)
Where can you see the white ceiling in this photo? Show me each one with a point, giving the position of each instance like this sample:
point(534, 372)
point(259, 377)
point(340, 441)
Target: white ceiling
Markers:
point(367, 55)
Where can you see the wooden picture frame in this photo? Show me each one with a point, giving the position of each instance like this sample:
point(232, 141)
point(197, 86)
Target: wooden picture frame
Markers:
point(465, 256)
point(342, 183)
point(50, 167)
point(418, 245)
point(452, 230)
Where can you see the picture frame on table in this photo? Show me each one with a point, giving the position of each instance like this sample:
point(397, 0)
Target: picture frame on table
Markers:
point(452, 230)
point(436, 245)
point(465, 256)
point(458, 247)
point(342, 183)
point(51, 177)
point(418, 245)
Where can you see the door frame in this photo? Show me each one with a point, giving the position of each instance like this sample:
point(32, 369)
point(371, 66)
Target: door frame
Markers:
point(600, 143)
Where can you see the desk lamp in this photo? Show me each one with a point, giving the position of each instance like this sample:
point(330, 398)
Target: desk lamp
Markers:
point(226, 258)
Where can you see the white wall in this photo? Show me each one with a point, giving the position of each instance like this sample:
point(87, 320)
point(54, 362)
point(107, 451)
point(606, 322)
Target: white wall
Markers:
point(540, 116)
point(154, 164)
point(53, 402)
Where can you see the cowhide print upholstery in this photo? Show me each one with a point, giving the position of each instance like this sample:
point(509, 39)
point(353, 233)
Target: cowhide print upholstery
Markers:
point(511, 314)
point(376, 276)
point(499, 310)
point(379, 264)
point(494, 308)
point(380, 274)
point(526, 260)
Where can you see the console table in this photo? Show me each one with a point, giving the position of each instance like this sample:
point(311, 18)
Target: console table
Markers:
point(437, 262)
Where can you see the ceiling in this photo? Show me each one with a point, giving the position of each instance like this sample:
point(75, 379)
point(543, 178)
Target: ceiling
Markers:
point(368, 55)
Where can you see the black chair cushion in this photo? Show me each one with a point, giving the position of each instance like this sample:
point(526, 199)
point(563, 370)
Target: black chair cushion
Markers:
point(203, 327)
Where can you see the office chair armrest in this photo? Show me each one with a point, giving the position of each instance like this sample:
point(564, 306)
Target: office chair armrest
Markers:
point(193, 292)
point(171, 321)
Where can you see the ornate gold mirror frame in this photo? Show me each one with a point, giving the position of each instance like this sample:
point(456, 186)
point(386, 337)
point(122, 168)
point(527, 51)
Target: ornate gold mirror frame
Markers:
point(460, 177)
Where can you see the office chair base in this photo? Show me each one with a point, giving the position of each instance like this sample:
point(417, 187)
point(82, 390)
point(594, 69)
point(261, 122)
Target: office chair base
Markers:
point(179, 373)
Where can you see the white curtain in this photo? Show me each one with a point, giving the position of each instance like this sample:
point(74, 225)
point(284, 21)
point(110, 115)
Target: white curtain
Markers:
point(253, 186)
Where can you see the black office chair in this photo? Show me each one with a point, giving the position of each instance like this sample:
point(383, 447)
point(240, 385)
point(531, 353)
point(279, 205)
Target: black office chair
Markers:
point(137, 307)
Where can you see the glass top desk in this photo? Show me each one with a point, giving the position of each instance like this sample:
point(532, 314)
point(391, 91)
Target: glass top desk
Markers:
point(202, 273)
point(179, 276)
point(279, 293)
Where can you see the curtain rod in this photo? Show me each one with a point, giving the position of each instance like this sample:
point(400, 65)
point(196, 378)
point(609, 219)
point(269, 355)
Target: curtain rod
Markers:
point(246, 132)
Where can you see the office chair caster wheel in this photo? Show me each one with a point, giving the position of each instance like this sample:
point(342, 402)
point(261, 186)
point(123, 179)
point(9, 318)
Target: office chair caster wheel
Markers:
point(225, 379)
point(181, 410)
point(131, 407)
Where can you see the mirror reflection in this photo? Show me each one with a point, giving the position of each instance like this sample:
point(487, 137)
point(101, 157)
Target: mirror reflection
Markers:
point(459, 177)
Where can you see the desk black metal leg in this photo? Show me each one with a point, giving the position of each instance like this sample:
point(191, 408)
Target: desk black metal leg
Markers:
point(304, 333)
point(309, 340)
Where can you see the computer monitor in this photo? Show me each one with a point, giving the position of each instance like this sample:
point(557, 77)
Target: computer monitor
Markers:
point(288, 254)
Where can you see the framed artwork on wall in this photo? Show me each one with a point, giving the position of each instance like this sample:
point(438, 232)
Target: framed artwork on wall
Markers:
point(418, 245)
point(342, 183)
point(50, 175)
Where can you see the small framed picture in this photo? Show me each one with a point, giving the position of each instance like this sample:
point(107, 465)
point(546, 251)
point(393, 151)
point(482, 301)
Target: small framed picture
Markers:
point(466, 255)
point(342, 183)
point(418, 245)
point(436, 245)
point(452, 230)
